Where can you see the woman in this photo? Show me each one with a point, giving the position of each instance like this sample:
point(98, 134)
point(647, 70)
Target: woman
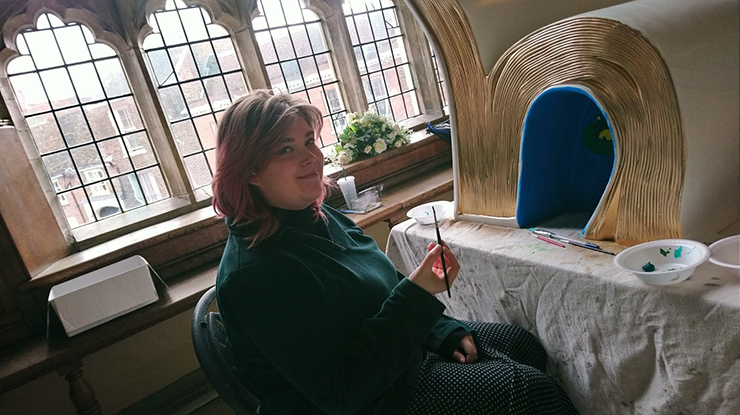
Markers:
point(318, 319)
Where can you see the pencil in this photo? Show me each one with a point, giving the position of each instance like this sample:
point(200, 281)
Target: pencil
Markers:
point(441, 255)
point(542, 238)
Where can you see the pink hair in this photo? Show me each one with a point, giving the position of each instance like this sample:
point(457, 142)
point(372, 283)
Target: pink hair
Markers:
point(248, 134)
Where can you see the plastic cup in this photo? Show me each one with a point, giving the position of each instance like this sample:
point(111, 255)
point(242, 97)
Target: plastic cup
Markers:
point(349, 191)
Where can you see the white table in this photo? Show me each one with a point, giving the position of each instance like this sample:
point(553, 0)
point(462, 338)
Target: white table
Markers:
point(617, 345)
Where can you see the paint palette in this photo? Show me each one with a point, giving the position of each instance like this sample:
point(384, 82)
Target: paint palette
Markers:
point(663, 262)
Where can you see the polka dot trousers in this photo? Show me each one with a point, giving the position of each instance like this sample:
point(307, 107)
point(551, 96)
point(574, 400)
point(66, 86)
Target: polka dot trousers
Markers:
point(508, 378)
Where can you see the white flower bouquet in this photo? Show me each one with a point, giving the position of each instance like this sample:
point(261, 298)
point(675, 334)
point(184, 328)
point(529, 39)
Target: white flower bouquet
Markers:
point(368, 134)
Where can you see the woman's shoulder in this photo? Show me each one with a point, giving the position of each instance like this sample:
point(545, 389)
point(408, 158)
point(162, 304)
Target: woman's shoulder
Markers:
point(337, 216)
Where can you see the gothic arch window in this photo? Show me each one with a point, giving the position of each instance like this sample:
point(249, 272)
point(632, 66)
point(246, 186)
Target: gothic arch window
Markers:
point(69, 88)
point(380, 51)
point(197, 73)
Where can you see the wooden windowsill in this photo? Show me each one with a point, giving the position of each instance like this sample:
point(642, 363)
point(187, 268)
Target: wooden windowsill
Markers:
point(398, 200)
point(32, 358)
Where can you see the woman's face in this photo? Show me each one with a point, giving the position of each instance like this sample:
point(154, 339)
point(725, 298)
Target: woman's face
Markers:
point(293, 177)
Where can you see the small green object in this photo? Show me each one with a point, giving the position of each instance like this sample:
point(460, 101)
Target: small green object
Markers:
point(648, 267)
point(344, 172)
point(664, 253)
point(677, 252)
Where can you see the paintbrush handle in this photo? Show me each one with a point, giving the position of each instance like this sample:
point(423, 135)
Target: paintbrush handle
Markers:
point(441, 255)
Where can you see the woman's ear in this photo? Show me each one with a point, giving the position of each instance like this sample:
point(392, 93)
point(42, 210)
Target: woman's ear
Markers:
point(254, 179)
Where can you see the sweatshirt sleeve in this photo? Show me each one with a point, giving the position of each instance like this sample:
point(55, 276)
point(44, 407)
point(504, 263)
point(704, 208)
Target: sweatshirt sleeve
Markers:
point(283, 312)
point(443, 328)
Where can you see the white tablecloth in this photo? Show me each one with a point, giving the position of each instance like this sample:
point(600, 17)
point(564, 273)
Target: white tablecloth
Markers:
point(617, 345)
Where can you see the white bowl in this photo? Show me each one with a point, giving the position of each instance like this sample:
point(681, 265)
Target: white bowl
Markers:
point(726, 253)
point(674, 260)
point(424, 215)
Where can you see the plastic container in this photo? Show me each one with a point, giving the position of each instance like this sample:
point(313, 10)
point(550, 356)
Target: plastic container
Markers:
point(671, 260)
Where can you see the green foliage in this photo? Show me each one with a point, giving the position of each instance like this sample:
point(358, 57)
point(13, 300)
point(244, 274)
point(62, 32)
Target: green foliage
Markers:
point(366, 135)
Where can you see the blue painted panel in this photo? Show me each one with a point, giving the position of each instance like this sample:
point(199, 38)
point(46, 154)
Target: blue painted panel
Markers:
point(567, 156)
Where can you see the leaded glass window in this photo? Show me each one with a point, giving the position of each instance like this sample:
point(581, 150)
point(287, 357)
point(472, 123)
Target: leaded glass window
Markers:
point(381, 57)
point(70, 89)
point(298, 60)
point(197, 73)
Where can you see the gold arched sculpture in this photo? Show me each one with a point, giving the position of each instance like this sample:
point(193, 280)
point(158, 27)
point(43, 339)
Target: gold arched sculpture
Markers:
point(624, 72)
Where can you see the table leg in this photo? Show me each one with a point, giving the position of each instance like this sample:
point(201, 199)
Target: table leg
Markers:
point(81, 393)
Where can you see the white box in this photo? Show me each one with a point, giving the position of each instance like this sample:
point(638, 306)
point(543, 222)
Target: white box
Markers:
point(102, 295)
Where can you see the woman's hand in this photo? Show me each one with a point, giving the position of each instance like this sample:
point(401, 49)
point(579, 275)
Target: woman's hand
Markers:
point(430, 275)
point(466, 351)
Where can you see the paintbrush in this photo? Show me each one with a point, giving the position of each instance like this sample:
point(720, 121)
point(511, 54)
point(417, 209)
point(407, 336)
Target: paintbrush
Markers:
point(441, 255)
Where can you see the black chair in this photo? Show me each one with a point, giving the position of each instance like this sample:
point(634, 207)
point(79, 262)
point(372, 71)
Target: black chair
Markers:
point(209, 341)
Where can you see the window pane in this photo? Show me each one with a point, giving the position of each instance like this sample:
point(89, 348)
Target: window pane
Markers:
point(45, 133)
point(235, 85)
point(30, 93)
point(310, 72)
point(170, 27)
point(140, 150)
point(404, 78)
point(197, 167)
point(282, 43)
point(126, 114)
point(59, 88)
point(20, 64)
point(160, 63)
point(114, 80)
point(184, 62)
point(116, 157)
point(153, 185)
point(300, 40)
point(364, 30)
point(85, 80)
point(101, 120)
point(186, 137)
point(78, 211)
point(99, 51)
point(276, 77)
point(372, 60)
point(78, 134)
point(217, 93)
point(59, 167)
point(206, 127)
point(128, 191)
point(316, 35)
point(205, 59)
point(264, 40)
point(391, 80)
point(173, 103)
point(292, 12)
point(377, 22)
point(293, 76)
point(195, 97)
point(385, 54)
point(73, 44)
point(74, 126)
point(195, 27)
point(44, 49)
point(211, 158)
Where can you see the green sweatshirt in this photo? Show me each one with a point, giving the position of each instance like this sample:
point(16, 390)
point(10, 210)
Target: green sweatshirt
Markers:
point(318, 321)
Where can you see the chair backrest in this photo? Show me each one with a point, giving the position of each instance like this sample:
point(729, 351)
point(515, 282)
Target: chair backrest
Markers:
point(209, 341)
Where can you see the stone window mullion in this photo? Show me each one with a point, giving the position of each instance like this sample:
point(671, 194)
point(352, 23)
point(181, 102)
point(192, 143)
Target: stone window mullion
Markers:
point(421, 59)
point(341, 45)
point(162, 137)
